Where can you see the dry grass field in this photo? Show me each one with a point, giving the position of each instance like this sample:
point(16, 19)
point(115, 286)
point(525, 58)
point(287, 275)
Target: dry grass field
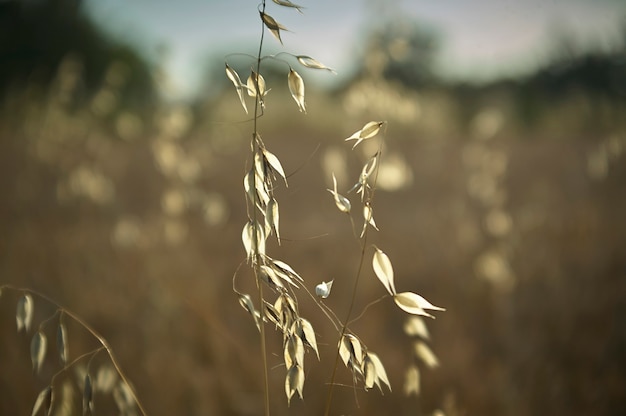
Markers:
point(134, 224)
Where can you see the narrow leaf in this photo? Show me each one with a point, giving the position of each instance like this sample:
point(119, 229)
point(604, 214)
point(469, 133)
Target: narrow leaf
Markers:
point(384, 270)
point(272, 25)
point(38, 350)
point(62, 346)
point(296, 88)
point(309, 62)
point(44, 398)
point(24, 314)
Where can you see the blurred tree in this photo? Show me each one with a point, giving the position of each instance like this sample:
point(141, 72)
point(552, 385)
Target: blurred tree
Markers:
point(403, 50)
point(36, 36)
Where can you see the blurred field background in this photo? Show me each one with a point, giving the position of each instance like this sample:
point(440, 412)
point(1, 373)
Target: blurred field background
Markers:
point(504, 202)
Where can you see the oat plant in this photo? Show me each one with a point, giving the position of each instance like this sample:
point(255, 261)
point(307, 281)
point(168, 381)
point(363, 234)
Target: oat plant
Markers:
point(85, 379)
point(278, 285)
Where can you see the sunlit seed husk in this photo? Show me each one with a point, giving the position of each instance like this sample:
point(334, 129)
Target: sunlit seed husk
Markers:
point(274, 162)
point(424, 353)
point(412, 381)
point(381, 374)
point(415, 326)
point(38, 350)
point(87, 395)
point(44, 399)
point(234, 77)
point(273, 26)
point(287, 3)
point(296, 88)
point(62, 345)
point(384, 270)
point(24, 313)
point(309, 62)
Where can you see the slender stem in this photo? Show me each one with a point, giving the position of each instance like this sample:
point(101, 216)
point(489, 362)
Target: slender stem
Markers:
point(354, 289)
point(93, 333)
point(257, 258)
point(345, 325)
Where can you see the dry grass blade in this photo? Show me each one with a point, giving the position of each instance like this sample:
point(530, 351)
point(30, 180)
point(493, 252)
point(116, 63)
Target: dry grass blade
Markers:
point(296, 88)
point(384, 270)
point(309, 62)
point(24, 313)
point(273, 26)
point(38, 350)
point(44, 398)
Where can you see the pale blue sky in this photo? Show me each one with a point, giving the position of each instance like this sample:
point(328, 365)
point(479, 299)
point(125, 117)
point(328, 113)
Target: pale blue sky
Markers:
point(481, 38)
